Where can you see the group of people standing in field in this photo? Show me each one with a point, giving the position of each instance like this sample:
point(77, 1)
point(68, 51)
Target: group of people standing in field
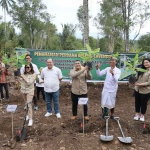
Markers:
point(47, 81)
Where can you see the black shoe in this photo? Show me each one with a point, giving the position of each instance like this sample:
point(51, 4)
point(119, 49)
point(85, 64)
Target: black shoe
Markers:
point(112, 117)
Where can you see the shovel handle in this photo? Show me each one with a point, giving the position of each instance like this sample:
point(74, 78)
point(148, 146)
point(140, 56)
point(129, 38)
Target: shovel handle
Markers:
point(12, 125)
point(107, 126)
point(121, 129)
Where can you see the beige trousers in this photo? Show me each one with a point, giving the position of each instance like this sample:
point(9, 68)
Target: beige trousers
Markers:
point(28, 100)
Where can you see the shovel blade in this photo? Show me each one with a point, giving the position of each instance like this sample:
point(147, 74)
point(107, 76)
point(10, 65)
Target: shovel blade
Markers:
point(22, 135)
point(125, 140)
point(106, 138)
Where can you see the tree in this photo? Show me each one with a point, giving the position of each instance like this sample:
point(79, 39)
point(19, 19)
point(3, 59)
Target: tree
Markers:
point(8, 40)
point(103, 44)
point(2, 36)
point(128, 15)
point(5, 5)
point(134, 13)
point(85, 23)
point(109, 22)
point(93, 43)
point(68, 30)
point(30, 16)
point(47, 38)
point(80, 18)
point(144, 43)
point(72, 43)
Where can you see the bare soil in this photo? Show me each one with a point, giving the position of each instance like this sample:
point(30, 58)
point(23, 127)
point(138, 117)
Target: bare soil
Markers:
point(50, 133)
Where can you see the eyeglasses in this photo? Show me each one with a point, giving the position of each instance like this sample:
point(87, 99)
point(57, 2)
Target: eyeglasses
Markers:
point(28, 58)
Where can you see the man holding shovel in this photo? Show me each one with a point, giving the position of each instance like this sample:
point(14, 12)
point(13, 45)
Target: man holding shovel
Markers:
point(110, 86)
point(79, 75)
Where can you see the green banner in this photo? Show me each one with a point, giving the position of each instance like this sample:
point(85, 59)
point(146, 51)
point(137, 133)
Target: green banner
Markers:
point(64, 59)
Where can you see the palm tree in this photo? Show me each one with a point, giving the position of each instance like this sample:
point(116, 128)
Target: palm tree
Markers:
point(5, 5)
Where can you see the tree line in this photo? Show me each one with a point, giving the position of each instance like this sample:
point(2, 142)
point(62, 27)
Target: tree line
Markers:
point(115, 21)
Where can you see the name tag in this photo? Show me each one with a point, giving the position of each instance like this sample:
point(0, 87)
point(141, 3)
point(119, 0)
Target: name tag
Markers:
point(11, 108)
point(83, 101)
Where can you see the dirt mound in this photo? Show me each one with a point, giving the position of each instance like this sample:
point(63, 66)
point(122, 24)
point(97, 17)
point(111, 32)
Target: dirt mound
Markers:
point(63, 134)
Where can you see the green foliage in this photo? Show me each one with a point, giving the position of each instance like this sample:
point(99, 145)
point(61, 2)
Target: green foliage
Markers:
point(118, 17)
point(131, 65)
point(30, 16)
point(116, 55)
point(68, 41)
point(93, 42)
point(9, 61)
point(144, 43)
point(14, 61)
point(103, 44)
point(89, 56)
point(109, 22)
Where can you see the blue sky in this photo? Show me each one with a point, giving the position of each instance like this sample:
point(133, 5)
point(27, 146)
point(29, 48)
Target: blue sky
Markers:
point(65, 12)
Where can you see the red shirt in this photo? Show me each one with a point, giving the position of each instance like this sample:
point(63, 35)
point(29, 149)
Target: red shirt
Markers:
point(3, 75)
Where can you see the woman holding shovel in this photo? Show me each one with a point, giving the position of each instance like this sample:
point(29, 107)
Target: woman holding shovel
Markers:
point(27, 89)
point(142, 91)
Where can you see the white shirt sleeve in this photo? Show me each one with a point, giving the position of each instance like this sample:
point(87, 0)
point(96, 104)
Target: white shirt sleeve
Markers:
point(59, 74)
point(22, 69)
point(100, 73)
point(36, 71)
point(42, 74)
point(40, 79)
point(117, 75)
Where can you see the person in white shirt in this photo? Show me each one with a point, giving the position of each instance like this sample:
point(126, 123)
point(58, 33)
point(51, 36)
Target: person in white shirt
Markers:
point(52, 77)
point(40, 86)
point(110, 86)
point(36, 71)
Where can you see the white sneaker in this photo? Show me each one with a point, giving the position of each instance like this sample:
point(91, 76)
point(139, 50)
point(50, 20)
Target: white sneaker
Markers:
point(30, 123)
point(136, 117)
point(142, 118)
point(48, 114)
point(27, 117)
point(58, 115)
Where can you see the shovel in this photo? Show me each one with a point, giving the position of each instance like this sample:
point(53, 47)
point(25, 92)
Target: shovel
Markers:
point(21, 135)
point(106, 138)
point(123, 139)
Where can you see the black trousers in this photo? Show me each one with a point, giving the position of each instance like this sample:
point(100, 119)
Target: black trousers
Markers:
point(6, 90)
point(74, 98)
point(141, 102)
point(38, 90)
